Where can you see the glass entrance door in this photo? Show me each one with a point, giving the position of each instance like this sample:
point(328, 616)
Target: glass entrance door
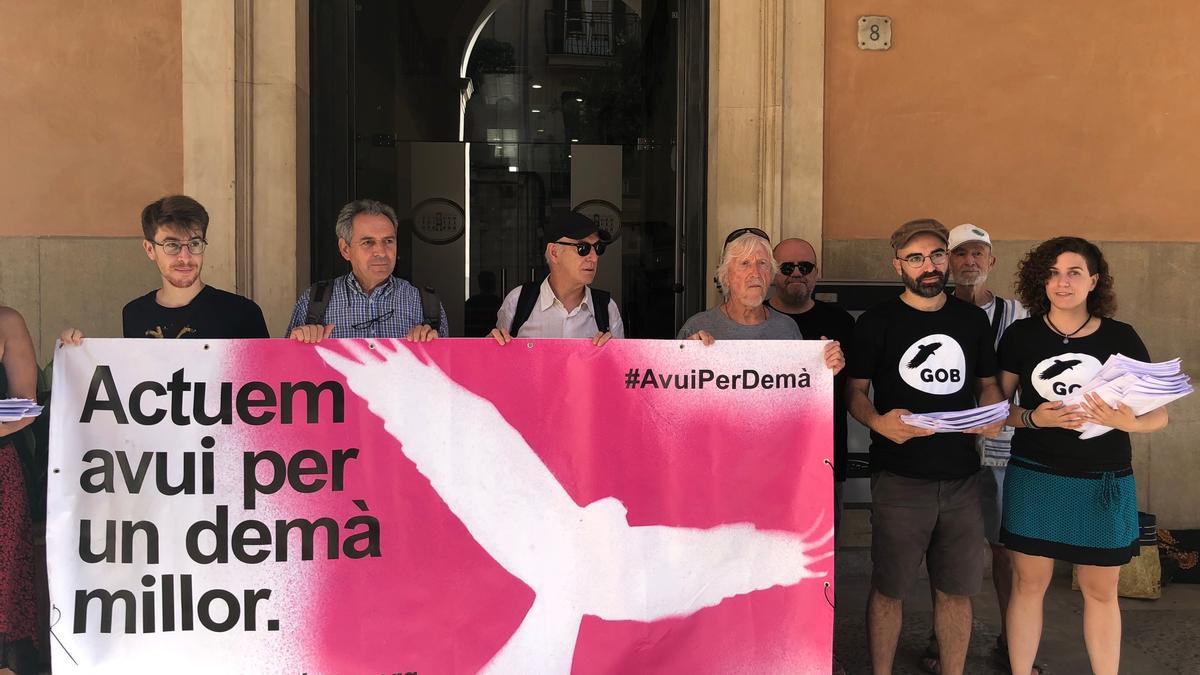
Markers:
point(479, 120)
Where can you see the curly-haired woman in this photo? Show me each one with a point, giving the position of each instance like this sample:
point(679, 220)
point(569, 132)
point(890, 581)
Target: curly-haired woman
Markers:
point(1067, 498)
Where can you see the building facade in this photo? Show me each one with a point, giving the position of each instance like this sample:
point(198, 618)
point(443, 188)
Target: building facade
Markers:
point(678, 121)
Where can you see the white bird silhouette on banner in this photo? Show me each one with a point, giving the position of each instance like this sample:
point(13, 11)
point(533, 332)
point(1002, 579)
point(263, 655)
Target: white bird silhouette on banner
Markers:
point(578, 560)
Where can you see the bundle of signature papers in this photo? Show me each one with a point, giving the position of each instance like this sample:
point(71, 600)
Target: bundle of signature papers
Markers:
point(16, 409)
point(1141, 386)
point(958, 420)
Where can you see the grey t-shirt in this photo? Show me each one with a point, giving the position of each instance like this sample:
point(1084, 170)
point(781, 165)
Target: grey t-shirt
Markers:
point(776, 327)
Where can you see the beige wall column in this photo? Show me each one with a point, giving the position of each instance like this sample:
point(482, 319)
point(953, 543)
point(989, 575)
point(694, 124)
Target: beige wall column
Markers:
point(280, 225)
point(803, 164)
point(765, 119)
point(243, 107)
point(208, 129)
point(744, 134)
point(245, 130)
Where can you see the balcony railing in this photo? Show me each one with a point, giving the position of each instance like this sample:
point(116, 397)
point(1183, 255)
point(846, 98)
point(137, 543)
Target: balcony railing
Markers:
point(589, 33)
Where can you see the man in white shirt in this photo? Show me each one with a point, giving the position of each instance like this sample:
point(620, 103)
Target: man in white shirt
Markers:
point(564, 305)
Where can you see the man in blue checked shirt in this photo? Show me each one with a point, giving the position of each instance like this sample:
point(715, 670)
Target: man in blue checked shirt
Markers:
point(368, 302)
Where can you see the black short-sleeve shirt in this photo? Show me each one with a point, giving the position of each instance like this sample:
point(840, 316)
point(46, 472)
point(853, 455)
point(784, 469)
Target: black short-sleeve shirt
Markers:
point(923, 362)
point(833, 322)
point(212, 314)
point(1048, 371)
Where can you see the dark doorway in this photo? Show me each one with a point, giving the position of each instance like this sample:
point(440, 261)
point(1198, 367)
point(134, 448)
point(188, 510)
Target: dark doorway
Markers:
point(478, 119)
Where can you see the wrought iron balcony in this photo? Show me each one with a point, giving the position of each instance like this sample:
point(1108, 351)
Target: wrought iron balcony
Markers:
point(590, 33)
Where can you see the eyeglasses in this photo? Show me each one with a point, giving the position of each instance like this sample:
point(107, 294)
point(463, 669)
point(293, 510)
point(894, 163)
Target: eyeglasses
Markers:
point(746, 230)
point(583, 248)
point(370, 322)
point(174, 247)
point(916, 260)
point(806, 268)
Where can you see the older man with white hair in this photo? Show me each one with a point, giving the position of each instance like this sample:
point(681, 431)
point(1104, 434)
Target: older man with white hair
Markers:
point(744, 275)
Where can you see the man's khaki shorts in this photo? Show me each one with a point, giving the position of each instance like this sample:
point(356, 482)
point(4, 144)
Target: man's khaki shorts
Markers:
point(938, 520)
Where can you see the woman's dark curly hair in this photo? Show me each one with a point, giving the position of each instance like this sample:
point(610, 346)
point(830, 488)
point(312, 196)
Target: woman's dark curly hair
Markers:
point(1034, 272)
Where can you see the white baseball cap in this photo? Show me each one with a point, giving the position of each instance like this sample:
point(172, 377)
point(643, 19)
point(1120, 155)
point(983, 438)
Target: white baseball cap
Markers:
point(965, 233)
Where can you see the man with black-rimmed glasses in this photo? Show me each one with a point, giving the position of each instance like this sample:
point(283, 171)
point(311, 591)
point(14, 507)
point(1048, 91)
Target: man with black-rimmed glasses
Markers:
point(174, 230)
point(369, 302)
point(922, 352)
point(564, 305)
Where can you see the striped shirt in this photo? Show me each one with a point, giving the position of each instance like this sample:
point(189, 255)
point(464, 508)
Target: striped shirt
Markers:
point(996, 451)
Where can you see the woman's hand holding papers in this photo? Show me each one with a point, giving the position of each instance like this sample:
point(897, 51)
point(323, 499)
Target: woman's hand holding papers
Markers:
point(1055, 414)
point(1097, 411)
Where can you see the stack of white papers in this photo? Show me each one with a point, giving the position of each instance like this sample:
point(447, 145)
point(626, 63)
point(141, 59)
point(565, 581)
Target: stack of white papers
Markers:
point(958, 420)
point(15, 409)
point(1141, 386)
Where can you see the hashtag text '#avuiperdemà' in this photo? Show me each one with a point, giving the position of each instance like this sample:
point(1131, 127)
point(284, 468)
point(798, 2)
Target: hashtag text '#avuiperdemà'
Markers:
point(702, 378)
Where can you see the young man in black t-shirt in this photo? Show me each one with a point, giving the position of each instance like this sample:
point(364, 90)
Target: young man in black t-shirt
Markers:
point(922, 352)
point(174, 230)
point(794, 283)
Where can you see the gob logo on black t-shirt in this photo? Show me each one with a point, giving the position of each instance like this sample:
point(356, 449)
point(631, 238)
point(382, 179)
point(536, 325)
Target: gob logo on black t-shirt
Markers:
point(935, 365)
point(1057, 376)
point(1050, 371)
point(923, 362)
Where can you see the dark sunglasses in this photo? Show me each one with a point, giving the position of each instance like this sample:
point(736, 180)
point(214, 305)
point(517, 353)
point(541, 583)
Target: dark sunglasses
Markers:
point(583, 248)
point(806, 268)
point(746, 230)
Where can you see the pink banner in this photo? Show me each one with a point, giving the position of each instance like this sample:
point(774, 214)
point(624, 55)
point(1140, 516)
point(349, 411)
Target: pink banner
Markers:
point(545, 506)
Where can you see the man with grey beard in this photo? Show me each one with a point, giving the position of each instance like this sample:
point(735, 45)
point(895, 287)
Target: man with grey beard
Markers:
point(971, 260)
point(794, 283)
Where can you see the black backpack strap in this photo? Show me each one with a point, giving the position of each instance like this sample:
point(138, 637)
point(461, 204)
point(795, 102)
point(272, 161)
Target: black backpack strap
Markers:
point(525, 302)
point(318, 301)
point(600, 308)
point(997, 318)
point(431, 308)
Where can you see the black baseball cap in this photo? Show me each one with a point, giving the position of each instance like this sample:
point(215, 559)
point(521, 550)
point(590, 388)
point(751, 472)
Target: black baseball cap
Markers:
point(572, 225)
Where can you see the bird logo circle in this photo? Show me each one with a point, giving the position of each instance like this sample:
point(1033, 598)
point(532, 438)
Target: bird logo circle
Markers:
point(934, 364)
point(1063, 374)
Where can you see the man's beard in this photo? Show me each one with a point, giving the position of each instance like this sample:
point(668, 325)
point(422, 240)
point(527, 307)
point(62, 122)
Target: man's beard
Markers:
point(795, 298)
point(979, 280)
point(925, 291)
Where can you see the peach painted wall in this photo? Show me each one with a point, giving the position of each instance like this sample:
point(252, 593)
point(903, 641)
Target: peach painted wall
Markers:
point(1029, 118)
point(91, 107)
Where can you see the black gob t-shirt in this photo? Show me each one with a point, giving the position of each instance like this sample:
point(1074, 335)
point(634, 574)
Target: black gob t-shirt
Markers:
point(212, 314)
point(1048, 371)
point(923, 362)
